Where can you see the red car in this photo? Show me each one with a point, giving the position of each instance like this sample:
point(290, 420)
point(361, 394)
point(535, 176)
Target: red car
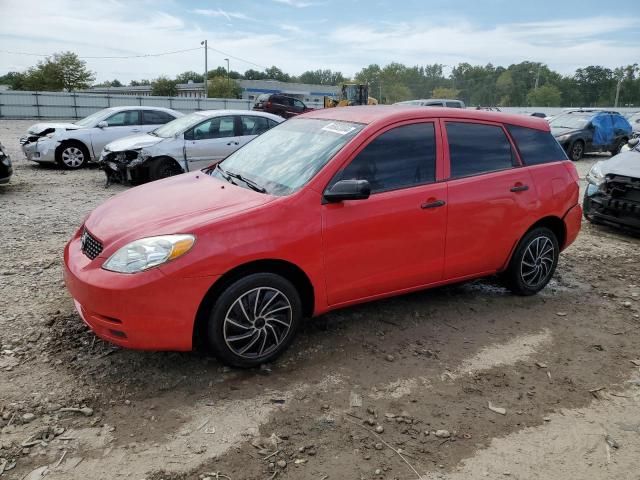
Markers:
point(331, 208)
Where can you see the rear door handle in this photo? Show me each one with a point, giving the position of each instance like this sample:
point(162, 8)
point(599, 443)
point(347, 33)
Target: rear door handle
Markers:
point(520, 188)
point(135, 129)
point(436, 204)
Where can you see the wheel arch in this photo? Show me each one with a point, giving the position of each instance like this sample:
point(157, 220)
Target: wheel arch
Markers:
point(553, 223)
point(284, 268)
point(67, 141)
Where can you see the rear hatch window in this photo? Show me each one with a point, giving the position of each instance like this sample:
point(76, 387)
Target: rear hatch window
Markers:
point(536, 146)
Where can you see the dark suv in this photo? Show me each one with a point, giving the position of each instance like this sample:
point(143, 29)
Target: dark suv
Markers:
point(585, 131)
point(282, 105)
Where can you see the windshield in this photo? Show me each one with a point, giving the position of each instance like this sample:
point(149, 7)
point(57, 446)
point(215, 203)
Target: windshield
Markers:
point(179, 125)
point(92, 119)
point(286, 157)
point(569, 120)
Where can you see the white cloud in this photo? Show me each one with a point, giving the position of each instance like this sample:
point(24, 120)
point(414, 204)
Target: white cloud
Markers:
point(221, 13)
point(297, 3)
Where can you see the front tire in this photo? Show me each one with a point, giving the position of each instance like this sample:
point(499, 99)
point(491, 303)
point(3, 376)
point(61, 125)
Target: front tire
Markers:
point(576, 151)
point(72, 155)
point(163, 167)
point(254, 320)
point(533, 263)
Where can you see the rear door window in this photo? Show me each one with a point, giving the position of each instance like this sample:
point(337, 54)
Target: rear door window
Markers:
point(124, 119)
point(254, 125)
point(476, 148)
point(398, 158)
point(454, 105)
point(156, 117)
point(536, 146)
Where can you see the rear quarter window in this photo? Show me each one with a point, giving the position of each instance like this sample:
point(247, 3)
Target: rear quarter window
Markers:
point(535, 146)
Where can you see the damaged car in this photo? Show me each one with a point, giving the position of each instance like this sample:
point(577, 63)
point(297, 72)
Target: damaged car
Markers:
point(586, 131)
point(613, 190)
point(73, 145)
point(189, 143)
point(6, 169)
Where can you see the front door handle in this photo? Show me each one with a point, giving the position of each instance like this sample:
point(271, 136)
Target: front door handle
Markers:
point(135, 129)
point(520, 188)
point(434, 204)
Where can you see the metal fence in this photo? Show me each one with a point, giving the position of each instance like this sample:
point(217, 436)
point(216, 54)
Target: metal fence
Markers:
point(52, 105)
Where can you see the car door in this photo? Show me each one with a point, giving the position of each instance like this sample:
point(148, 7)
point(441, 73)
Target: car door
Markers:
point(152, 119)
point(210, 141)
point(251, 126)
point(120, 124)
point(491, 197)
point(393, 240)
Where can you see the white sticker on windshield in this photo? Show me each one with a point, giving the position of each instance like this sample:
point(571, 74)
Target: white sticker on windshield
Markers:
point(340, 129)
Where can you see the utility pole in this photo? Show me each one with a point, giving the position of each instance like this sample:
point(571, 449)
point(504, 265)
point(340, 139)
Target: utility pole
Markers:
point(618, 85)
point(206, 70)
point(227, 60)
point(380, 89)
point(537, 77)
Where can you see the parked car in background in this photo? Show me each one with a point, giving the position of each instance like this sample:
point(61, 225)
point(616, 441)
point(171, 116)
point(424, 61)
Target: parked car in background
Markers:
point(586, 131)
point(6, 169)
point(634, 120)
point(73, 145)
point(613, 190)
point(434, 102)
point(332, 208)
point(539, 115)
point(281, 105)
point(186, 144)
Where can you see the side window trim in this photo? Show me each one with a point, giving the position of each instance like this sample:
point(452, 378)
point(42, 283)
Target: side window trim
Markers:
point(439, 157)
point(516, 161)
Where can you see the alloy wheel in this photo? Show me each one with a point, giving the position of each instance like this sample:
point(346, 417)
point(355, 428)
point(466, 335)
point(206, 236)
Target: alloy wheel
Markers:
point(257, 322)
point(537, 261)
point(72, 157)
point(576, 151)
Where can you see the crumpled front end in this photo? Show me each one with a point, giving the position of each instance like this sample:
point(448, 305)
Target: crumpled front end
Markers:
point(126, 167)
point(616, 201)
point(40, 147)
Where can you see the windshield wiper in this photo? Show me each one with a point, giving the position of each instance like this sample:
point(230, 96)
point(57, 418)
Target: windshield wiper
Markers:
point(223, 172)
point(250, 183)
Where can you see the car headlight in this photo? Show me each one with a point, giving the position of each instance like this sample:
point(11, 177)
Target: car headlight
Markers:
point(149, 252)
point(5, 159)
point(563, 138)
point(595, 175)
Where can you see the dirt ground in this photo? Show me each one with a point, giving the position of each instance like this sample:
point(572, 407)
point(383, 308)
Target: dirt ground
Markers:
point(396, 389)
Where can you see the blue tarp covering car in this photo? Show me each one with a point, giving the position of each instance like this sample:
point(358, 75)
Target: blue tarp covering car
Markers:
point(606, 127)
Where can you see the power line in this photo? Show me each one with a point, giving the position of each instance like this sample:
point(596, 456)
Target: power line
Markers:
point(237, 58)
point(142, 55)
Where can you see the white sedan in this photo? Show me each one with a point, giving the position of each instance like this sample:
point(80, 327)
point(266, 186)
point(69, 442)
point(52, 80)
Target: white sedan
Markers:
point(72, 145)
point(189, 143)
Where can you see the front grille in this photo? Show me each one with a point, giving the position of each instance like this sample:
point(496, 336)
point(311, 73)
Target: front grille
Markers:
point(91, 246)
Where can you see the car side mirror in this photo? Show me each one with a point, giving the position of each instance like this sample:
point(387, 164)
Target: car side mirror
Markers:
point(633, 142)
point(347, 190)
point(103, 124)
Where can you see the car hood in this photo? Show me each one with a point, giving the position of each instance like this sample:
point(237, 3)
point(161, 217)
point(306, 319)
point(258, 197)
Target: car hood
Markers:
point(39, 128)
point(624, 163)
point(133, 142)
point(559, 131)
point(177, 204)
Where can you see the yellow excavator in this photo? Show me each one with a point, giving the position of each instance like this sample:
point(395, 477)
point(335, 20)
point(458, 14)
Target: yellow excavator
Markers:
point(351, 94)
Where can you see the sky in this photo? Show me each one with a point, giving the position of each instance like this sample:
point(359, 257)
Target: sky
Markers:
point(299, 35)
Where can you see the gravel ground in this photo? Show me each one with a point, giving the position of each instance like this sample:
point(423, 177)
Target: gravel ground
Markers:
point(396, 389)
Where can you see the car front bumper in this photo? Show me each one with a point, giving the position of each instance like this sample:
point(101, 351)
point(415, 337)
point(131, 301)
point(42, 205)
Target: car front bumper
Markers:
point(146, 311)
point(601, 207)
point(43, 150)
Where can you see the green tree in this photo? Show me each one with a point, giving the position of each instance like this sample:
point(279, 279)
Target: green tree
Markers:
point(220, 87)
point(444, 92)
point(184, 77)
point(61, 71)
point(545, 96)
point(322, 77)
point(15, 80)
point(139, 83)
point(274, 73)
point(254, 75)
point(163, 86)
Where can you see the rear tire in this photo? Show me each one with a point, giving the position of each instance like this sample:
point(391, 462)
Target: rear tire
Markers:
point(254, 320)
point(576, 151)
point(619, 146)
point(533, 263)
point(163, 167)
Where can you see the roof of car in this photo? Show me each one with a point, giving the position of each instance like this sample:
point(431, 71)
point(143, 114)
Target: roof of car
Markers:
point(395, 113)
point(141, 107)
point(218, 113)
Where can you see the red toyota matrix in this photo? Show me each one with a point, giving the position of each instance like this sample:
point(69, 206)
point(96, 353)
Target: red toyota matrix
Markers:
point(331, 208)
